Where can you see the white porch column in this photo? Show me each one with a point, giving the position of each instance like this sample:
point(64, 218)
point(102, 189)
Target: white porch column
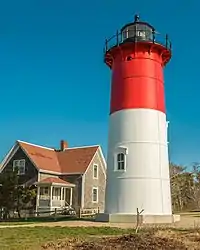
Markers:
point(51, 196)
point(37, 198)
point(62, 194)
point(62, 197)
point(71, 192)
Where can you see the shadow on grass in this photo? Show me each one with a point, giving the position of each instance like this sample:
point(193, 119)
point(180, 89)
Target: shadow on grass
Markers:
point(44, 219)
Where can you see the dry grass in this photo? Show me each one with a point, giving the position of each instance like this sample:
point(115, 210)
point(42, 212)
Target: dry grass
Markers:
point(167, 239)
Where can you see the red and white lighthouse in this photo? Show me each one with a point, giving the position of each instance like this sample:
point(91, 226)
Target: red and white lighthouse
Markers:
point(137, 162)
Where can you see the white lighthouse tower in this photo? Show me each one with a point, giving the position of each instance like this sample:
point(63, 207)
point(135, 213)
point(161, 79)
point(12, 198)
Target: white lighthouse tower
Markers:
point(137, 163)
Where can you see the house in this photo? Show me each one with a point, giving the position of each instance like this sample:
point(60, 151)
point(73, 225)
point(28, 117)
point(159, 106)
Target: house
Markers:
point(75, 176)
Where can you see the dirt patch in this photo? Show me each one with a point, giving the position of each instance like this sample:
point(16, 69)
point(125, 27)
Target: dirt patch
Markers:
point(186, 222)
point(158, 239)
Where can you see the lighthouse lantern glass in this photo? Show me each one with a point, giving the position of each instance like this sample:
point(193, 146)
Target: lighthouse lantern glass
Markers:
point(138, 32)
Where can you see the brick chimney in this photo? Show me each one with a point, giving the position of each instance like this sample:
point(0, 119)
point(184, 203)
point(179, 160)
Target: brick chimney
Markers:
point(63, 145)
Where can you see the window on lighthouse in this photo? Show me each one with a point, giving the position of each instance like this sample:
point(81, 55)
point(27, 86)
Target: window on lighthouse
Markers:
point(121, 161)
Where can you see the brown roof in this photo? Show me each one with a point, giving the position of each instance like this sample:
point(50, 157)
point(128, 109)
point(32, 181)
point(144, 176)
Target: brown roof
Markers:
point(51, 180)
point(76, 160)
point(71, 160)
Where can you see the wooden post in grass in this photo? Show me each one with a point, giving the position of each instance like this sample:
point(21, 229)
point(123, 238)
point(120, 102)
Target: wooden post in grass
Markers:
point(138, 219)
point(55, 214)
point(80, 213)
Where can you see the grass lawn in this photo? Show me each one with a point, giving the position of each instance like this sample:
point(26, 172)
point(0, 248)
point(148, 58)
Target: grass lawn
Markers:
point(34, 238)
point(54, 238)
point(94, 238)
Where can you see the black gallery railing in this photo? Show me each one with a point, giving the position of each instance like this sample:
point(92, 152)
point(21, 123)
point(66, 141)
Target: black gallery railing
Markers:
point(137, 36)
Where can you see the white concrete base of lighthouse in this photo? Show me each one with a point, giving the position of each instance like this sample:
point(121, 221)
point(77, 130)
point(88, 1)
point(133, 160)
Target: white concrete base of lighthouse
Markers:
point(143, 183)
point(132, 218)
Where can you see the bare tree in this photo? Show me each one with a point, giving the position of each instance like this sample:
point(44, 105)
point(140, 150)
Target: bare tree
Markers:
point(185, 187)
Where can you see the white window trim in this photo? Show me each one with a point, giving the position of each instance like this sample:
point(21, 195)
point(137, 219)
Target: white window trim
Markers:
point(24, 166)
point(121, 161)
point(120, 150)
point(116, 162)
point(96, 165)
point(95, 188)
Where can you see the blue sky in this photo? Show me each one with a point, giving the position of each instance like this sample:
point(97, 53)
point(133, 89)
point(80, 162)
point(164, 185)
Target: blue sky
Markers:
point(54, 84)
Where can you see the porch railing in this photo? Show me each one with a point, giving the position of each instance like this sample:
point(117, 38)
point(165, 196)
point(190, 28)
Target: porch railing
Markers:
point(58, 203)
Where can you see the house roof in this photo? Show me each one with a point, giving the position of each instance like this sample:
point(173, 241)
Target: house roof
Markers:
point(69, 161)
point(43, 158)
point(54, 180)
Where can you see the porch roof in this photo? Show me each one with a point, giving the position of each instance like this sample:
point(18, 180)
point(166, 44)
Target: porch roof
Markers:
point(54, 181)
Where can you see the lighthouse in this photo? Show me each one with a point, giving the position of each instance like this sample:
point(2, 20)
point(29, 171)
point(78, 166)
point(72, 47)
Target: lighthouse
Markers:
point(137, 161)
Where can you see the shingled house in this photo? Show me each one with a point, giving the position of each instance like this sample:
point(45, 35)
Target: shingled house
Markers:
point(75, 176)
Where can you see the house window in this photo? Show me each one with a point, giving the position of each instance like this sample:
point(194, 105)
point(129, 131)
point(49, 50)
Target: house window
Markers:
point(20, 166)
point(95, 194)
point(56, 193)
point(44, 191)
point(121, 161)
point(95, 171)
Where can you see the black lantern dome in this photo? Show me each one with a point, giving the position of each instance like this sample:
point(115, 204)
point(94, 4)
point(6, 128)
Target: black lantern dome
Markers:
point(137, 31)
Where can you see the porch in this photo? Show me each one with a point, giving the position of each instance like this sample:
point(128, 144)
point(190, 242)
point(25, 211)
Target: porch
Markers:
point(53, 193)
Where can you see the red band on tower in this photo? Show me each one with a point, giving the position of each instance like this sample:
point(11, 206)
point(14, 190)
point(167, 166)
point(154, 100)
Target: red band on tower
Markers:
point(137, 78)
